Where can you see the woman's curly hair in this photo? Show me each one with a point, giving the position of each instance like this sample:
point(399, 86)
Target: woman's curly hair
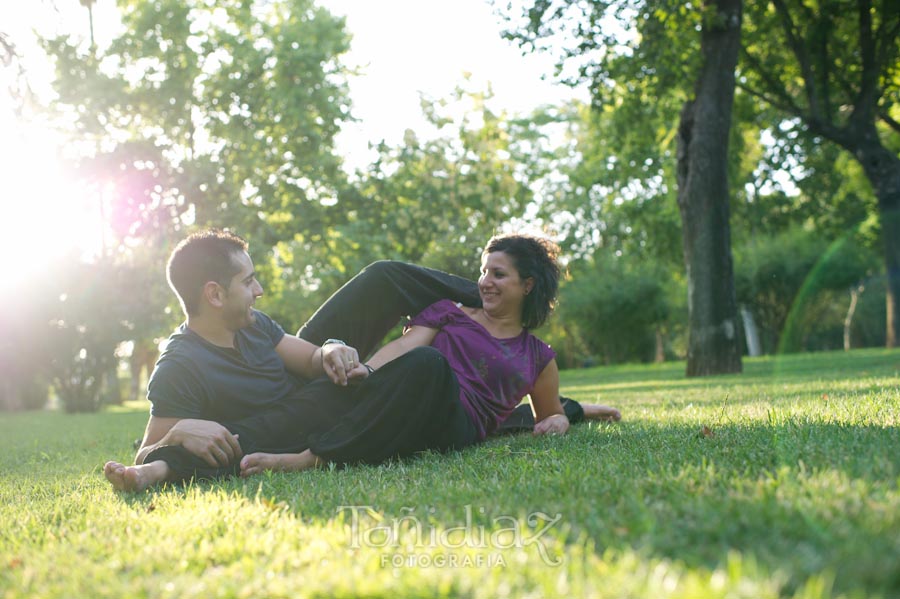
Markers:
point(534, 257)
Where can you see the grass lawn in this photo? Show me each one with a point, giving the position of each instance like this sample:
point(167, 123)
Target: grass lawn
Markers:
point(781, 482)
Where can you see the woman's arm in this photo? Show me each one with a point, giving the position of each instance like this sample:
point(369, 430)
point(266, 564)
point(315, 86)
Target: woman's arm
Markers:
point(415, 336)
point(549, 416)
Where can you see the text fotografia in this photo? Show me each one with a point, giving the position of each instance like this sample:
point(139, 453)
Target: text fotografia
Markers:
point(409, 533)
point(442, 560)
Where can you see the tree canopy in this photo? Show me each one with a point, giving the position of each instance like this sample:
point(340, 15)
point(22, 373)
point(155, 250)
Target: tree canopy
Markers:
point(225, 114)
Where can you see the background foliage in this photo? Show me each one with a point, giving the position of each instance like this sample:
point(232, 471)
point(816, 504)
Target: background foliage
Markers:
point(225, 114)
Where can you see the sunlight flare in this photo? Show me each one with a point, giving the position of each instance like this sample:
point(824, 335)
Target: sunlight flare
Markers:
point(45, 213)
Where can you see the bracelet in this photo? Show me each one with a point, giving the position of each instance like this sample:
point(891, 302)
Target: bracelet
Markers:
point(330, 341)
point(369, 368)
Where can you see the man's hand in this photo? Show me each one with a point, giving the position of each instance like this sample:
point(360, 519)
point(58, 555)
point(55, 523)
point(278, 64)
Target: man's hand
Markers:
point(207, 440)
point(555, 424)
point(340, 362)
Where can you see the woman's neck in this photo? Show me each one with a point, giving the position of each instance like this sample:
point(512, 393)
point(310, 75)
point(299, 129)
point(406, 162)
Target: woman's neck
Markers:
point(500, 326)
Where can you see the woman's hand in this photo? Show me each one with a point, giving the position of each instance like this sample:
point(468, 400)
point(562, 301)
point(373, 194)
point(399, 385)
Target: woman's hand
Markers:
point(555, 424)
point(358, 374)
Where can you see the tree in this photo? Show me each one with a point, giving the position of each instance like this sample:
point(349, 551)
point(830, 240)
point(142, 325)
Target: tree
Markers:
point(835, 67)
point(605, 186)
point(714, 343)
point(203, 114)
point(235, 105)
point(460, 186)
point(606, 56)
point(433, 201)
point(616, 308)
point(15, 77)
point(24, 350)
point(602, 181)
point(790, 281)
point(84, 332)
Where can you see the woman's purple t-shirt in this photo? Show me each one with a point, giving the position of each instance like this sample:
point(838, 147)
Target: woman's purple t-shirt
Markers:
point(494, 374)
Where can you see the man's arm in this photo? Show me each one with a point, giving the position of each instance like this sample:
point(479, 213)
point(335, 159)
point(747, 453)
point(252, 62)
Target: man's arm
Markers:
point(549, 415)
point(302, 357)
point(206, 439)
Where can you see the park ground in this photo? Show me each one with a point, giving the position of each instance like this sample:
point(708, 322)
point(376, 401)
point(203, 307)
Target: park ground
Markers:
point(780, 482)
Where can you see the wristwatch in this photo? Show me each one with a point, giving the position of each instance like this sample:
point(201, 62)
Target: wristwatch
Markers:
point(329, 341)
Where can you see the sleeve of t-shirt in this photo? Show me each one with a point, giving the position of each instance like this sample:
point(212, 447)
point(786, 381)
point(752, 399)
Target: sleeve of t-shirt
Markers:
point(269, 327)
point(435, 316)
point(544, 355)
point(174, 392)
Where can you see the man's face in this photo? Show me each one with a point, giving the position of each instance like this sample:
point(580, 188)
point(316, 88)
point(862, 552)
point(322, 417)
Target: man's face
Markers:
point(241, 294)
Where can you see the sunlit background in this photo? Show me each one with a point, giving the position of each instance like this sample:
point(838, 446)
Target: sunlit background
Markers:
point(44, 212)
point(416, 139)
point(72, 267)
point(402, 50)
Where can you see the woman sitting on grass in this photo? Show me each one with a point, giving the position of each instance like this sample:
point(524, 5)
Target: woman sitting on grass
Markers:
point(451, 380)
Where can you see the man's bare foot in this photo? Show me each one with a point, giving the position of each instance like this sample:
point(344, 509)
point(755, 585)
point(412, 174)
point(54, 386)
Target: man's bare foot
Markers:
point(135, 479)
point(255, 463)
point(598, 412)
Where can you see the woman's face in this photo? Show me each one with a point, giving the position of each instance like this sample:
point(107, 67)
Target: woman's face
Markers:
point(500, 285)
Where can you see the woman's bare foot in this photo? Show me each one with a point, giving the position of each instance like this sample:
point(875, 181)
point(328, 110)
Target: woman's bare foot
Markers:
point(135, 479)
point(255, 463)
point(594, 411)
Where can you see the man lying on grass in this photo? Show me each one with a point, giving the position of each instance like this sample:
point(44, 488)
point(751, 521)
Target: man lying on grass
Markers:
point(232, 393)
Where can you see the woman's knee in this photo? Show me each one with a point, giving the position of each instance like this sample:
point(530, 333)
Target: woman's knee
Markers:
point(426, 360)
point(427, 353)
point(380, 275)
point(381, 268)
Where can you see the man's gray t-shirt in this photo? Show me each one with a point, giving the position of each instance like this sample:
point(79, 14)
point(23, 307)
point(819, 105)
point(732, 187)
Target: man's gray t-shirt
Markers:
point(194, 378)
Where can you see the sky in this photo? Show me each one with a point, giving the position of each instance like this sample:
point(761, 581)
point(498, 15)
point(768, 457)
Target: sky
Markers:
point(401, 48)
point(409, 47)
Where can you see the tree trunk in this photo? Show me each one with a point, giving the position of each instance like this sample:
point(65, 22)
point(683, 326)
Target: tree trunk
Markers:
point(714, 338)
point(751, 333)
point(891, 307)
point(660, 355)
point(882, 168)
point(848, 321)
point(10, 398)
point(887, 189)
point(112, 386)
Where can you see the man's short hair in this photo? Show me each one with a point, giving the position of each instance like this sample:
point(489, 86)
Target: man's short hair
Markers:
point(202, 257)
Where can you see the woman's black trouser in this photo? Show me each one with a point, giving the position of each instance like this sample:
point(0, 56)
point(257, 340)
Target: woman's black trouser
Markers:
point(408, 405)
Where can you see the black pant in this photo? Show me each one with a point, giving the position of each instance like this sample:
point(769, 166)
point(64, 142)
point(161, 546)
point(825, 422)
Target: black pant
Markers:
point(408, 405)
point(380, 296)
point(522, 419)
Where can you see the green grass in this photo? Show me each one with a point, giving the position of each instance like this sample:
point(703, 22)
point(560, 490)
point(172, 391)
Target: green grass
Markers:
point(793, 491)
